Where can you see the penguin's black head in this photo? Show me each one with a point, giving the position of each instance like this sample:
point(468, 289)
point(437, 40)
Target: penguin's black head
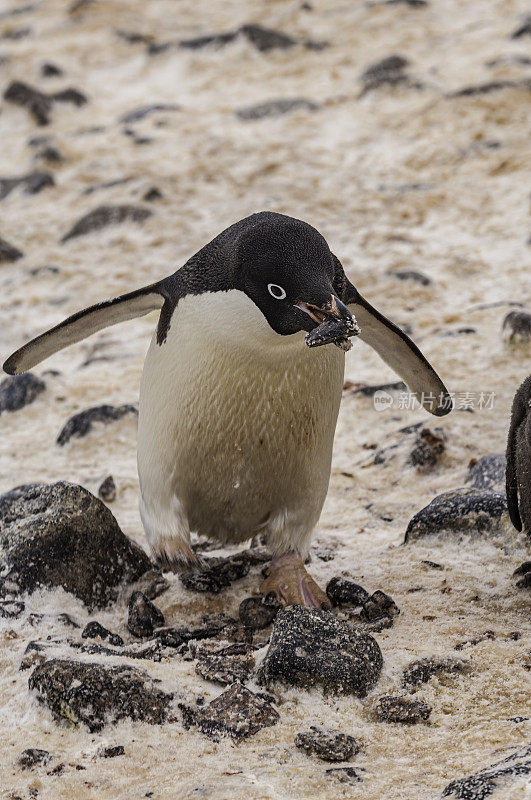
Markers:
point(286, 268)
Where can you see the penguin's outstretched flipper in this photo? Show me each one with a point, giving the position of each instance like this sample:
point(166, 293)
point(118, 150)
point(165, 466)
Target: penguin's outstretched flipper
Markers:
point(400, 353)
point(85, 323)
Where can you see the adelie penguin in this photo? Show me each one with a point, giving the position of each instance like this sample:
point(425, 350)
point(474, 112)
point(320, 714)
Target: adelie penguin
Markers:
point(518, 470)
point(241, 389)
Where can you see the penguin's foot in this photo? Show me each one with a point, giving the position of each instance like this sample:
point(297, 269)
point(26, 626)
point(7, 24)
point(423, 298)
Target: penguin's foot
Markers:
point(170, 556)
point(292, 585)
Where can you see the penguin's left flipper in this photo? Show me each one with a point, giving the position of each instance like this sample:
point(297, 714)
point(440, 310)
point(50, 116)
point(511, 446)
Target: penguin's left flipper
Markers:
point(400, 353)
point(85, 323)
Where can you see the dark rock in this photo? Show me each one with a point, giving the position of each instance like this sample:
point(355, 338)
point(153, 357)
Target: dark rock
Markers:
point(389, 71)
point(327, 744)
point(105, 185)
point(379, 624)
point(33, 757)
point(237, 713)
point(487, 472)
point(258, 612)
point(370, 391)
point(11, 609)
point(276, 108)
point(18, 391)
point(113, 752)
point(213, 39)
point(35, 653)
point(459, 510)
point(410, 3)
point(97, 695)
point(107, 490)
point(428, 449)
point(525, 571)
point(265, 39)
point(488, 88)
point(151, 650)
point(523, 30)
point(39, 104)
point(516, 327)
point(460, 332)
point(342, 592)
point(499, 776)
point(219, 574)
point(8, 252)
point(61, 535)
point(152, 583)
point(49, 153)
point(212, 625)
point(225, 669)
point(81, 424)
point(33, 183)
point(401, 709)
point(419, 672)
point(432, 564)
point(94, 630)
point(484, 637)
point(145, 111)
point(344, 775)
point(103, 216)
point(377, 605)
point(411, 275)
point(152, 194)
point(144, 616)
point(309, 647)
point(49, 70)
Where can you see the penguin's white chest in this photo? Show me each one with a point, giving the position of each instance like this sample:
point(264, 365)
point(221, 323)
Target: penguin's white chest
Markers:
point(236, 422)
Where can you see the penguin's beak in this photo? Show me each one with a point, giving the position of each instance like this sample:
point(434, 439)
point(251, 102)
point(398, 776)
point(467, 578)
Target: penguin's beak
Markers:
point(334, 323)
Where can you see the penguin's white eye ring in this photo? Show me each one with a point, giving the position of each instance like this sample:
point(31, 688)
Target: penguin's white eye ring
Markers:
point(276, 291)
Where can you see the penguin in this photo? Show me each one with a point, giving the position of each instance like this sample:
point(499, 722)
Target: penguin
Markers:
point(241, 388)
point(518, 469)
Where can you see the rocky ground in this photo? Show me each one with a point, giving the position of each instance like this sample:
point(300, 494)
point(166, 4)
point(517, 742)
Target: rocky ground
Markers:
point(131, 134)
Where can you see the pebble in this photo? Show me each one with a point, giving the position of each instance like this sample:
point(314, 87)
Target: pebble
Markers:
point(496, 780)
point(257, 612)
point(103, 216)
point(327, 744)
point(218, 574)
point(379, 605)
point(18, 391)
point(342, 592)
point(33, 757)
point(428, 448)
point(237, 712)
point(39, 104)
point(107, 490)
point(419, 672)
point(144, 616)
point(97, 695)
point(8, 253)
point(32, 183)
point(387, 72)
point(276, 108)
point(344, 775)
point(225, 669)
point(487, 472)
point(401, 709)
point(94, 630)
point(81, 424)
point(146, 111)
point(458, 511)
point(61, 535)
point(309, 647)
point(516, 327)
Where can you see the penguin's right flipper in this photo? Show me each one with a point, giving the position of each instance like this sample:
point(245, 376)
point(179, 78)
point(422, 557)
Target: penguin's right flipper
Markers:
point(85, 323)
point(518, 413)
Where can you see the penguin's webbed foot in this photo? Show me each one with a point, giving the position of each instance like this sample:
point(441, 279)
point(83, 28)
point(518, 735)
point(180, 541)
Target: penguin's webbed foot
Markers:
point(292, 584)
